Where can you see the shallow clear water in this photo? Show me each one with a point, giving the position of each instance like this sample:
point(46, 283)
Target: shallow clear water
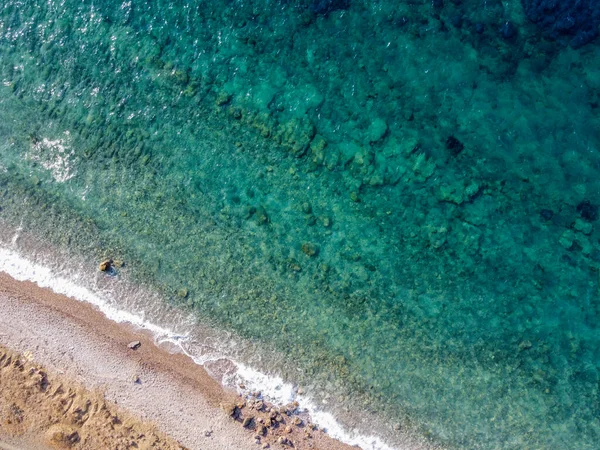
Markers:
point(406, 208)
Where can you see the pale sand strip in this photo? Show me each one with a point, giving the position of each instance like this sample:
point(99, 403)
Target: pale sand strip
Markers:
point(74, 340)
point(39, 410)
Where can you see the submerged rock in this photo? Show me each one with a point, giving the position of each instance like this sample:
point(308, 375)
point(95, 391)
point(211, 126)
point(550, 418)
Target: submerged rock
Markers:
point(588, 211)
point(325, 221)
point(508, 30)
point(377, 130)
point(294, 266)
point(546, 214)
point(261, 216)
point(105, 265)
point(310, 249)
point(573, 21)
point(583, 226)
point(324, 7)
point(223, 98)
point(454, 145)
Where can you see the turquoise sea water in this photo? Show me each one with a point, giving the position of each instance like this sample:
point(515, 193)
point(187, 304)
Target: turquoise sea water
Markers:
point(404, 205)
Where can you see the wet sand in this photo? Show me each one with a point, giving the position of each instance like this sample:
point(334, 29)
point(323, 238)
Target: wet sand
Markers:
point(157, 393)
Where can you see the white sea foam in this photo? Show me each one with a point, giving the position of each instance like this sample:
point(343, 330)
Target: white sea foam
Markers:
point(54, 156)
point(272, 388)
point(277, 391)
point(24, 270)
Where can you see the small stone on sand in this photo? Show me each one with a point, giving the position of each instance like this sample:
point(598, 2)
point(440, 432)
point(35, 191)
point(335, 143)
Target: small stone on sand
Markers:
point(134, 345)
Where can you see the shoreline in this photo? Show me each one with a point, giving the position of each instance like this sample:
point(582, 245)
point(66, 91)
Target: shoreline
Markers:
point(51, 269)
point(75, 340)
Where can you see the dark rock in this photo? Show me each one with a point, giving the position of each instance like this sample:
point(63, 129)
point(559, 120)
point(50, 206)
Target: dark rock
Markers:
point(324, 7)
point(575, 247)
point(456, 21)
point(588, 211)
point(249, 212)
point(134, 345)
point(261, 216)
point(73, 438)
point(572, 21)
point(454, 145)
point(401, 22)
point(546, 214)
point(508, 30)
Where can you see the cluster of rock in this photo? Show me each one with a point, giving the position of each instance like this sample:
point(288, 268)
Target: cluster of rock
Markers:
point(270, 424)
point(573, 21)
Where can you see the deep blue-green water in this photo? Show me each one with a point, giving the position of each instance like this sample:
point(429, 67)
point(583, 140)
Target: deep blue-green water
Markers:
point(402, 203)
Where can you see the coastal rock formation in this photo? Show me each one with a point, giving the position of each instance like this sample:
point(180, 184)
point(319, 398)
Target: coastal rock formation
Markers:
point(281, 426)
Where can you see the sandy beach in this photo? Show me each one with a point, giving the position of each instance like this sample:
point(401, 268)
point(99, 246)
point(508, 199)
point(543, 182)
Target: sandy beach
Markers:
point(71, 378)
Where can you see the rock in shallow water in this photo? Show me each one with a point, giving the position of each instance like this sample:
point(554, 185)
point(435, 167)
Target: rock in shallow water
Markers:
point(588, 211)
point(324, 7)
point(310, 249)
point(546, 214)
point(105, 265)
point(574, 21)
